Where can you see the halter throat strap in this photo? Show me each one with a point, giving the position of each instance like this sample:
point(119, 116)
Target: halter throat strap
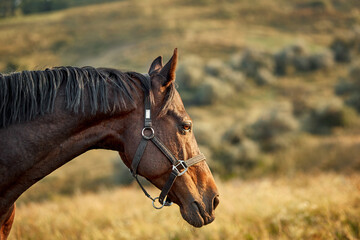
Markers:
point(179, 167)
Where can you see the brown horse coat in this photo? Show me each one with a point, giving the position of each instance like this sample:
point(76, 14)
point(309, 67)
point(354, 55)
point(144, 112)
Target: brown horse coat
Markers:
point(49, 117)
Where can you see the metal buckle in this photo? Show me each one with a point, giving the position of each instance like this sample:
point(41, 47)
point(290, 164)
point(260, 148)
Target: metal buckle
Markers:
point(183, 165)
point(153, 203)
point(148, 137)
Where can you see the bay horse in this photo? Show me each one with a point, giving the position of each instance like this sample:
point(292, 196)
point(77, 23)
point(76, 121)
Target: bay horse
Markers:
point(49, 117)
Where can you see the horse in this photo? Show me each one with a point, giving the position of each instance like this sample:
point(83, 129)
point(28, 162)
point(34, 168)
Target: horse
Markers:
point(48, 117)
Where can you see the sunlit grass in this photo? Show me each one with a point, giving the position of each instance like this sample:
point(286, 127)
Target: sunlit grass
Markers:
point(318, 207)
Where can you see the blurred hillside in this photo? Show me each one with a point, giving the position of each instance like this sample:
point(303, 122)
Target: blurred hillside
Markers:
point(10, 8)
point(127, 34)
point(273, 87)
point(277, 79)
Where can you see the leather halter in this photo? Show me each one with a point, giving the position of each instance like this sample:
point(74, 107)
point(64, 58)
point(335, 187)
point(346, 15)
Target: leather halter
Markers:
point(179, 167)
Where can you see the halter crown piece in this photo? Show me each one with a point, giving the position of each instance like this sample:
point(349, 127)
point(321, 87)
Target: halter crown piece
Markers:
point(179, 167)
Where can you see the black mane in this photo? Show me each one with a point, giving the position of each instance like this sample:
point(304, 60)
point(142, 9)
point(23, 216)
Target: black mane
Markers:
point(25, 95)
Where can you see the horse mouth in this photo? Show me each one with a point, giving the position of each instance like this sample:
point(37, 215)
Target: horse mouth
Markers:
point(196, 215)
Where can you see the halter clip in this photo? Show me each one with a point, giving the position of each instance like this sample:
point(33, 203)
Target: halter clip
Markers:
point(150, 136)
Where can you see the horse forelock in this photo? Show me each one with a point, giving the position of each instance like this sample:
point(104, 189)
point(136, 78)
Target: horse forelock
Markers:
point(168, 99)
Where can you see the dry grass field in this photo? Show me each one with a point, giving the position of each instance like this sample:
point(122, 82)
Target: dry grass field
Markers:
point(325, 206)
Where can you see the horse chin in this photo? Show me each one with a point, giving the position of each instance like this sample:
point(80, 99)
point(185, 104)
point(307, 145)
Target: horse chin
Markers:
point(195, 215)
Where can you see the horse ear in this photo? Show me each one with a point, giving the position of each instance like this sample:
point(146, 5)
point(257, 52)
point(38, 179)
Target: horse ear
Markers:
point(168, 71)
point(156, 65)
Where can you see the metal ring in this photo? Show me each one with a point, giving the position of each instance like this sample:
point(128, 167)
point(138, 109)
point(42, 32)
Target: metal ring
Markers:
point(148, 137)
point(153, 203)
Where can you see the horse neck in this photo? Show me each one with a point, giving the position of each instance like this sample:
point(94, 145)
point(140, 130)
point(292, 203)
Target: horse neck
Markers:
point(32, 150)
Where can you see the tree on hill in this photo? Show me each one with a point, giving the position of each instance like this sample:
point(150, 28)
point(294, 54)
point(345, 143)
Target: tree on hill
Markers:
point(7, 7)
point(35, 6)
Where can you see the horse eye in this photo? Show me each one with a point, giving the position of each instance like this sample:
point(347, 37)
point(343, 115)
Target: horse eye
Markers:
point(186, 127)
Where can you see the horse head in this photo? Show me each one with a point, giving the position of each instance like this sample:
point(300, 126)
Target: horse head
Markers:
point(168, 131)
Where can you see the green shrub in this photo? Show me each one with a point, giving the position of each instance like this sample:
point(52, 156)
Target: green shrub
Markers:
point(285, 58)
point(190, 73)
point(350, 86)
point(251, 61)
point(211, 82)
point(264, 77)
point(223, 72)
point(7, 8)
point(354, 74)
point(236, 79)
point(235, 135)
point(236, 154)
point(317, 5)
point(273, 125)
point(346, 46)
point(329, 114)
point(39, 6)
point(323, 60)
point(212, 91)
point(344, 87)
point(301, 63)
point(255, 65)
point(215, 67)
point(246, 152)
point(36, 6)
point(296, 58)
point(354, 101)
point(343, 47)
point(313, 62)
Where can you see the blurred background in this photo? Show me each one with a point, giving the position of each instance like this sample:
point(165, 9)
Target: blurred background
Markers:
point(273, 88)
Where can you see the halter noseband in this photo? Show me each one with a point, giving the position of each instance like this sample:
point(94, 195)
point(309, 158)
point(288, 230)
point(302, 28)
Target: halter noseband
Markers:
point(179, 167)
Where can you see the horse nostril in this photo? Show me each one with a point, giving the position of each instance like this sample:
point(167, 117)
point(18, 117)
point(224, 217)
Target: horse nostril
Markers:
point(216, 202)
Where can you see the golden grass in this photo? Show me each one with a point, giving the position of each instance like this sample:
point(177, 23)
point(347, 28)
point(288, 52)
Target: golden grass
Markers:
point(326, 206)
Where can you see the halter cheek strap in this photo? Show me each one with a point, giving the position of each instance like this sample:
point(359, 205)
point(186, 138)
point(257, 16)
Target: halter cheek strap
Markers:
point(179, 167)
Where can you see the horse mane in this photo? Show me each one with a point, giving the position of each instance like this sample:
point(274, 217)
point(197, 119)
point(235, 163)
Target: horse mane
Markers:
point(28, 94)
